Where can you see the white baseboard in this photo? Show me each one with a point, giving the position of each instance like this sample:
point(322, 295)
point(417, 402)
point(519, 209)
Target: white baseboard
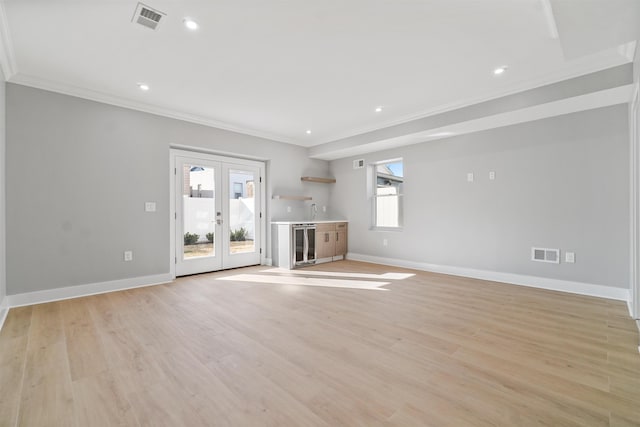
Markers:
point(4, 310)
point(39, 297)
point(589, 289)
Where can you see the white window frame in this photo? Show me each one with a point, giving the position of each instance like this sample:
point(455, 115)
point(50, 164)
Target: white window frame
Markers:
point(372, 178)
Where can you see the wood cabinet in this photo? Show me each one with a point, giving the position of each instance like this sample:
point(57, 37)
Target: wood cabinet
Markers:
point(331, 240)
point(341, 239)
point(325, 240)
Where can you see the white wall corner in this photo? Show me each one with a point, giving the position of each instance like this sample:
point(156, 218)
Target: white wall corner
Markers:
point(589, 289)
point(49, 295)
point(268, 261)
point(4, 311)
point(7, 57)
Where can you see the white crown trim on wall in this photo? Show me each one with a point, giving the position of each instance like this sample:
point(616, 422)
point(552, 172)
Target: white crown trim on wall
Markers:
point(10, 70)
point(92, 95)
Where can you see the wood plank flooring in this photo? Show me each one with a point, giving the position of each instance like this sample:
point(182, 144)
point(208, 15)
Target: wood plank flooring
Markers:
point(265, 347)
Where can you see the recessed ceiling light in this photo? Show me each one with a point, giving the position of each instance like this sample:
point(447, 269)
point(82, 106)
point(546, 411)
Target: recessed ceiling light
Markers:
point(190, 24)
point(500, 70)
point(143, 86)
point(378, 109)
point(308, 131)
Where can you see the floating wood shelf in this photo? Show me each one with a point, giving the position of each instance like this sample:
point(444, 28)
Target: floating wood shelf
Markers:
point(315, 179)
point(284, 197)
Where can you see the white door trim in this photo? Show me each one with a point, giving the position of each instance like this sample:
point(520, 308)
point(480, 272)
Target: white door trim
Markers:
point(634, 198)
point(173, 153)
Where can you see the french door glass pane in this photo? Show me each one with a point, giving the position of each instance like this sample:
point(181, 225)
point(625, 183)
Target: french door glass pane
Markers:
point(198, 194)
point(242, 211)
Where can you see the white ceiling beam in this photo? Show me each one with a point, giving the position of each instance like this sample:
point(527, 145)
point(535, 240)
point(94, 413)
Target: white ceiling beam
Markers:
point(590, 101)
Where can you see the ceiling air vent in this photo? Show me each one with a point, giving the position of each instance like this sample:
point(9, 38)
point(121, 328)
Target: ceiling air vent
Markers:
point(147, 16)
point(545, 255)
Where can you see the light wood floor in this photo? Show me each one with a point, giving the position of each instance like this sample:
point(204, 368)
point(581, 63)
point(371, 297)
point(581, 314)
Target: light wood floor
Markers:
point(429, 350)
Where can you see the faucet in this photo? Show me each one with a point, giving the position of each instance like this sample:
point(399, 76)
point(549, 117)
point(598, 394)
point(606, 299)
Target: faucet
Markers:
point(314, 211)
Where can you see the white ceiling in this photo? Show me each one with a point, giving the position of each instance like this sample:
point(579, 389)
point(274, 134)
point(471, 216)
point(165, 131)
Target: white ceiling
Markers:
point(276, 68)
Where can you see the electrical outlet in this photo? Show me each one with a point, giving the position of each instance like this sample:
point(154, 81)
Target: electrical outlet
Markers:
point(385, 242)
point(470, 177)
point(570, 257)
point(492, 175)
point(289, 209)
point(128, 255)
point(150, 206)
point(324, 209)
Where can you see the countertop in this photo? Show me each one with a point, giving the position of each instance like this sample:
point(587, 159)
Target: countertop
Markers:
point(322, 221)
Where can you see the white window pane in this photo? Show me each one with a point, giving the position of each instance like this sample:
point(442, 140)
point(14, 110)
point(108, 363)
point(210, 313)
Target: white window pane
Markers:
point(242, 207)
point(387, 192)
point(198, 211)
point(387, 209)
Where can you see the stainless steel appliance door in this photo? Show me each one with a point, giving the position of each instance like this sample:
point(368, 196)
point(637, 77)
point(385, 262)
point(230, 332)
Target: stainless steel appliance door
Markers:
point(311, 244)
point(298, 243)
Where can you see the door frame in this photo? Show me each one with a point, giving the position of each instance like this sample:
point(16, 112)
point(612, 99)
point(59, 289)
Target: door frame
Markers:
point(175, 152)
point(634, 187)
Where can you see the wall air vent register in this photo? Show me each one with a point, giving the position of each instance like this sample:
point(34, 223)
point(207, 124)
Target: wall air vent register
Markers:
point(545, 255)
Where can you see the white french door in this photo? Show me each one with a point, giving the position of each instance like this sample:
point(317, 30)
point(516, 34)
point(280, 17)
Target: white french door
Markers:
point(217, 213)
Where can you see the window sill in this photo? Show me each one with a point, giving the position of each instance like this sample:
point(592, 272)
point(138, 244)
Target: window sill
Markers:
point(385, 229)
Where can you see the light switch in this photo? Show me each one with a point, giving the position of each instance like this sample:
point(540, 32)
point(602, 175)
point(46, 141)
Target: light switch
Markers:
point(150, 206)
point(570, 257)
point(470, 177)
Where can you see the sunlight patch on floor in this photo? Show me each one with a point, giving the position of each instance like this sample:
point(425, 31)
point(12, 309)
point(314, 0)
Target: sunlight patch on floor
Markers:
point(303, 272)
point(307, 281)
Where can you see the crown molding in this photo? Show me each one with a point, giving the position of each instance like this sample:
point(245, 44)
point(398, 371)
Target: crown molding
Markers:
point(7, 58)
point(92, 95)
point(595, 65)
point(9, 68)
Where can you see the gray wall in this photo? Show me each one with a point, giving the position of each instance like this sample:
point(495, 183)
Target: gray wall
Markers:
point(3, 269)
point(80, 172)
point(560, 183)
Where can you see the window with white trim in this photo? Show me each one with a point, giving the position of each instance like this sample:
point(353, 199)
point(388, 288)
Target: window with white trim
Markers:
point(388, 180)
